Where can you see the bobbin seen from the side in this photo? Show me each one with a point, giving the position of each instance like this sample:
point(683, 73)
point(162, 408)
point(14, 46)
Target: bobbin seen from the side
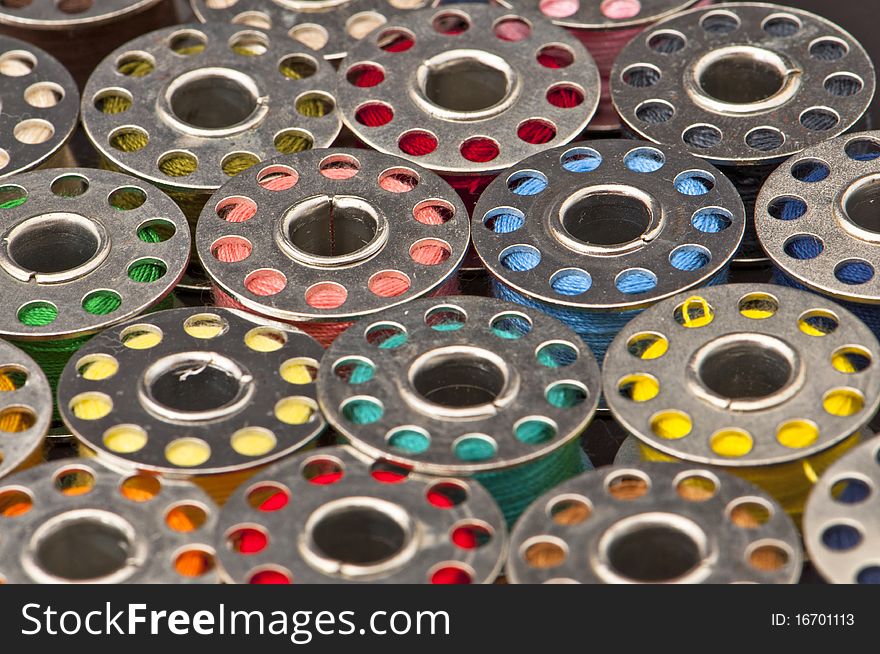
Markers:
point(187, 107)
point(463, 386)
point(193, 392)
point(655, 523)
point(40, 106)
point(840, 522)
point(335, 516)
point(817, 220)
point(606, 227)
point(332, 236)
point(749, 378)
point(25, 408)
point(467, 89)
point(76, 521)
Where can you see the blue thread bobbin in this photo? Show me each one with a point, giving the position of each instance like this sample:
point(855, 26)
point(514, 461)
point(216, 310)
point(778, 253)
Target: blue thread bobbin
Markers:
point(465, 387)
point(743, 86)
point(816, 220)
point(593, 233)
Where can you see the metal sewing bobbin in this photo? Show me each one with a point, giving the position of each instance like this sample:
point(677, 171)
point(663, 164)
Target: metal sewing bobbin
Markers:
point(325, 238)
point(76, 521)
point(337, 516)
point(595, 232)
point(188, 107)
point(744, 86)
point(818, 223)
point(40, 106)
point(25, 410)
point(605, 28)
point(208, 395)
point(82, 32)
point(467, 90)
point(465, 387)
point(840, 521)
point(655, 523)
point(82, 250)
point(770, 383)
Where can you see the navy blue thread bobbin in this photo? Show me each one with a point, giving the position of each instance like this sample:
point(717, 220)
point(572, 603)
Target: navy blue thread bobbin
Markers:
point(593, 233)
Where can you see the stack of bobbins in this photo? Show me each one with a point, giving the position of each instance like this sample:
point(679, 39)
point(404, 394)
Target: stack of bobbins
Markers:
point(328, 237)
point(465, 387)
point(817, 220)
point(25, 410)
point(744, 86)
point(336, 516)
point(605, 28)
point(655, 523)
point(188, 394)
point(79, 522)
point(40, 106)
point(840, 522)
point(593, 233)
point(187, 108)
point(467, 91)
point(769, 383)
point(82, 250)
point(82, 32)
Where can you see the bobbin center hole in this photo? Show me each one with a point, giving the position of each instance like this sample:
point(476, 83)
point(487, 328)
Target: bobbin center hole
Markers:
point(861, 204)
point(606, 219)
point(84, 545)
point(361, 535)
point(466, 81)
point(746, 371)
point(459, 378)
point(213, 98)
point(54, 243)
point(743, 78)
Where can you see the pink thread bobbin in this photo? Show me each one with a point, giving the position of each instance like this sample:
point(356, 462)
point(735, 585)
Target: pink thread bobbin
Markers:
point(325, 237)
point(605, 28)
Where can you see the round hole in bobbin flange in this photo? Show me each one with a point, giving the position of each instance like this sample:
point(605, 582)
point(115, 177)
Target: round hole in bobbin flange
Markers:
point(331, 226)
point(190, 383)
point(860, 204)
point(103, 542)
point(212, 101)
point(658, 549)
point(363, 533)
point(465, 81)
point(606, 219)
point(457, 378)
point(53, 243)
point(741, 78)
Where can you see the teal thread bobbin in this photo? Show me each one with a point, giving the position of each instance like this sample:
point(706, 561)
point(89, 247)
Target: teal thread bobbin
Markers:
point(465, 387)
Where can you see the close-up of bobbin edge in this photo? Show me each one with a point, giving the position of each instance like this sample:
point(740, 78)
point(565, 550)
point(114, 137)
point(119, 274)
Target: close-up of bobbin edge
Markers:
point(746, 377)
point(743, 83)
point(126, 530)
point(599, 228)
point(817, 221)
point(196, 391)
point(655, 523)
point(455, 88)
point(59, 15)
point(335, 516)
point(189, 106)
point(40, 106)
point(297, 237)
point(25, 408)
point(841, 519)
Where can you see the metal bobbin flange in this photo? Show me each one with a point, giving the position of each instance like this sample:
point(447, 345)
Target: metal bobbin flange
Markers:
point(840, 523)
point(67, 15)
point(76, 521)
point(655, 523)
point(187, 107)
point(40, 106)
point(578, 226)
point(25, 407)
point(335, 516)
point(468, 89)
point(743, 375)
point(743, 83)
point(83, 249)
point(816, 219)
point(296, 238)
point(459, 385)
point(193, 392)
